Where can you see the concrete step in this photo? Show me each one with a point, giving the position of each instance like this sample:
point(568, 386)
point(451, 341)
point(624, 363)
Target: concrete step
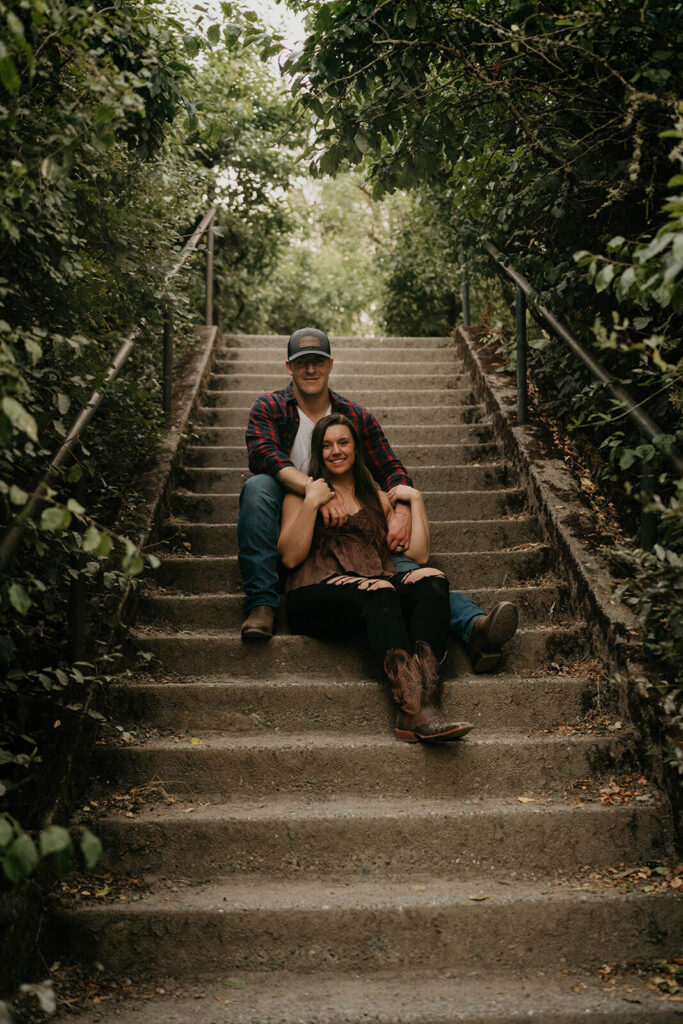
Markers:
point(417, 996)
point(481, 535)
point(348, 839)
point(433, 433)
point(348, 384)
point(223, 508)
point(204, 653)
point(379, 346)
point(289, 704)
point(494, 475)
point(200, 575)
point(410, 454)
point(322, 764)
point(307, 926)
point(400, 363)
point(548, 605)
point(236, 412)
point(371, 398)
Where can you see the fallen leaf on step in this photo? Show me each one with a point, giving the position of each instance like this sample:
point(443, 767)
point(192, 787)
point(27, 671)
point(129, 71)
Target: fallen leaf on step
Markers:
point(195, 741)
point(478, 898)
point(525, 799)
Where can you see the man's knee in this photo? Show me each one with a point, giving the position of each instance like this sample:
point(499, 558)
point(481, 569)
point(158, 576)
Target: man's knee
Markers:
point(259, 491)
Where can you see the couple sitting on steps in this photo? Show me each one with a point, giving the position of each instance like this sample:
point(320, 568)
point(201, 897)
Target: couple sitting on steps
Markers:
point(356, 555)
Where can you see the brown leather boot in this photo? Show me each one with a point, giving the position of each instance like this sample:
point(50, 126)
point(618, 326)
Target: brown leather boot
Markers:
point(259, 623)
point(431, 725)
point(417, 718)
point(406, 687)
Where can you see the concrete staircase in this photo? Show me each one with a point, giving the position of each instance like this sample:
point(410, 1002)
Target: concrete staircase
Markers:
point(293, 861)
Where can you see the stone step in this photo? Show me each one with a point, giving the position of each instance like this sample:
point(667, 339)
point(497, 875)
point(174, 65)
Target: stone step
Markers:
point(200, 575)
point(348, 383)
point(204, 653)
point(322, 764)
point(236, 413)
point(381, 346)
point(481, 535)
point(235, 456)
point(371, 398)
point(427, 478)
point(433, 433)
point(307, 926)
point(349, 839)
point(417, 996)
point(394, 364)
point(548, 604)
point(289, 704)
point(223, 508)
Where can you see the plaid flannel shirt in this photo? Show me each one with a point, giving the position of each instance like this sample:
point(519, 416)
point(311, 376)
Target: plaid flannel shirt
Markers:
point(274, 421)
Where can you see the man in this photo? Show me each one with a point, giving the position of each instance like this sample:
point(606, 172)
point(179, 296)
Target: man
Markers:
point(279, 443)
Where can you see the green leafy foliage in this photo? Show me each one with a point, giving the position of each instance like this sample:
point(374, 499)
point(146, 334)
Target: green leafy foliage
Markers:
point(20, 853)
point(113, 145)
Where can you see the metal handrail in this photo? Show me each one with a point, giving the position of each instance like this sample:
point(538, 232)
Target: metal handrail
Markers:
point(15, 532)
point(645, 424)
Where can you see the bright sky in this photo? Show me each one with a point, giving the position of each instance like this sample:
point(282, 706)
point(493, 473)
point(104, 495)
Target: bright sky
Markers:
point(273, 14)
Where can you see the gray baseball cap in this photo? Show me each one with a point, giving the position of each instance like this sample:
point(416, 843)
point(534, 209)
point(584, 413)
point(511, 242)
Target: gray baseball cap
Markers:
point(308, 341)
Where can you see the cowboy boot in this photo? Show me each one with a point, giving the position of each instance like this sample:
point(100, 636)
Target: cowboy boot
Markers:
point(431, 725)
point(406, 687)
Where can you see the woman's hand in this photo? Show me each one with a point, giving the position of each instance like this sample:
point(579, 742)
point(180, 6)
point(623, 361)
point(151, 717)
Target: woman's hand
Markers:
point(402, 492)
point(317, 493)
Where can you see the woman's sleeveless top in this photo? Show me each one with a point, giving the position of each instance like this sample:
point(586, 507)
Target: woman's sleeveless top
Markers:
point(349, 550)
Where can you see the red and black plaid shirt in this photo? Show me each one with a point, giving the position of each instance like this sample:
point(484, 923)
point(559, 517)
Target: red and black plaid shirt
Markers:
point(274, 421)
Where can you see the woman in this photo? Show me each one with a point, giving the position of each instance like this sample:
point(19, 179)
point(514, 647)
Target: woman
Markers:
point(341, 578)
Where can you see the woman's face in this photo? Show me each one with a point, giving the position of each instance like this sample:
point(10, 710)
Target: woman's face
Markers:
point(338, 450)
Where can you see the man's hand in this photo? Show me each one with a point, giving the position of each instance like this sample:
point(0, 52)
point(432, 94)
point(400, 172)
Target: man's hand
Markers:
point(399, 528)
point(333, 512)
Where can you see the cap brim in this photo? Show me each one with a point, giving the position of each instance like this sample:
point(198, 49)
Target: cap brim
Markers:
point(309, 352)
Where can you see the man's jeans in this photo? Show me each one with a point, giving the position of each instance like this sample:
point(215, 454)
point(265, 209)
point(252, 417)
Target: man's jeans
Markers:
point(258, 528)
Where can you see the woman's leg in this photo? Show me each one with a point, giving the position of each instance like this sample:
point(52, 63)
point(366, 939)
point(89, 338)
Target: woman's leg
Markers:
point(346, 603)
point(424, 599)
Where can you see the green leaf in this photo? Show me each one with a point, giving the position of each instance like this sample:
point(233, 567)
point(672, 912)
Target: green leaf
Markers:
point(19, 599)
point(19, 417)
point(9, 75)
point(105, 546)
point(191, 44)
point(91, 539)
point(20, 859)
point(75, 507)
point(362, 140)
point(54, 839)
point(6, 832)
point(17, 496)
point(604, 278)
point(213, 34)
point(91, 848)
point(55, 519)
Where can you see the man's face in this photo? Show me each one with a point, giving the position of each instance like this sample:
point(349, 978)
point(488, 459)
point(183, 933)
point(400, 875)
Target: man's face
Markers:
point(310, 374)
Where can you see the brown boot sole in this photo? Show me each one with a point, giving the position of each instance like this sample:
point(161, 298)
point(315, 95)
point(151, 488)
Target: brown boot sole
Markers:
point(410, 736)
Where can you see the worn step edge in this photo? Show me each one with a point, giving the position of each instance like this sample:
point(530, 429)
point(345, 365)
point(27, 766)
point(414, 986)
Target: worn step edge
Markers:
point(287, 704)
point(309, 925)
point(346, 838)
point(423, 997)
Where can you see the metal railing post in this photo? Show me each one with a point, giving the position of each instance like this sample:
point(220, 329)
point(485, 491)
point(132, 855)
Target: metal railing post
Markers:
point(465, 291)
point(209, 276)
point(522, 391)
point(167, 370)
point(78, 597)
point(648, 519)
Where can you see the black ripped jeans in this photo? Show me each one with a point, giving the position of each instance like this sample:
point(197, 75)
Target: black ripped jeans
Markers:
point(389, 617)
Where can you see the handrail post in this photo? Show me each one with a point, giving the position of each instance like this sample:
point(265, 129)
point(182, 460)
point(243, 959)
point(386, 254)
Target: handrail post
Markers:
point(648, 519)
point(465, 291)
point(209, 276)
point(167, 371)
point(78, 598)
point(522, 392)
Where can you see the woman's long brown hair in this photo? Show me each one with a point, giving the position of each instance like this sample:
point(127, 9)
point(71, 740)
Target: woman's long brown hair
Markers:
point(363, 484)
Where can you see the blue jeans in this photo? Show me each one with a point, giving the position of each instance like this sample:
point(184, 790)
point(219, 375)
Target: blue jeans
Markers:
point(258, 528)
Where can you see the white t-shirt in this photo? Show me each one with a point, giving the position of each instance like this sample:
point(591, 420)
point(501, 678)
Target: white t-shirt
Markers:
point(301, 449)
